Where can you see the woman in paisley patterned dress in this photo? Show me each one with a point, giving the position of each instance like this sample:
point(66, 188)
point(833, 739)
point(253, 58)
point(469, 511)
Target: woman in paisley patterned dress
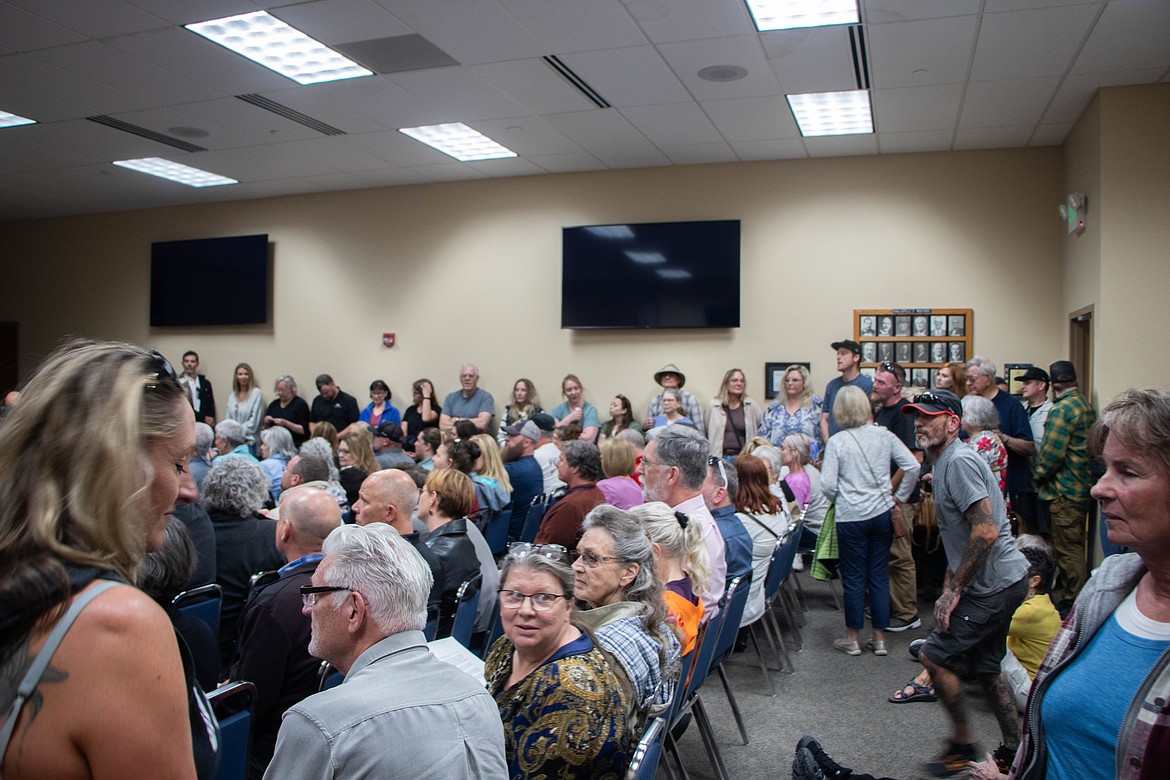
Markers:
point(563, 709)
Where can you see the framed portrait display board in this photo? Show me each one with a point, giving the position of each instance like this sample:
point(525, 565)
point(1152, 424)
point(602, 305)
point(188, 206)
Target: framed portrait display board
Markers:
point(920, 340)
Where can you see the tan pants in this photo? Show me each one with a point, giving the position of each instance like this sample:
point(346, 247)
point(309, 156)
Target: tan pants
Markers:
point(903, 582)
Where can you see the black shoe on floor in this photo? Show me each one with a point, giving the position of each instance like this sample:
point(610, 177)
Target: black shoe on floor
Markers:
point(951, 761)
point(828, 766)
point(804, 766)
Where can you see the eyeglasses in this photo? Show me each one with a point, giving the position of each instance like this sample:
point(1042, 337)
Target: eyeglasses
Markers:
point(715, 459)
point(541, 602)
point(553, 552)
point(591, 559)
point(309, 593)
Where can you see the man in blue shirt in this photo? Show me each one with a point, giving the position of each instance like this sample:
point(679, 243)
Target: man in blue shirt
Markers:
point(523, 471)
point(719, 491)
point(849, 364)
point(1015, 433)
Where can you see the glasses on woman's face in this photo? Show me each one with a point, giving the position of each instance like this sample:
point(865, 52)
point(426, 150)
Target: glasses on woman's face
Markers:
point(553, 552)
point(309, 593)
point(590, 558)
point(541, 602)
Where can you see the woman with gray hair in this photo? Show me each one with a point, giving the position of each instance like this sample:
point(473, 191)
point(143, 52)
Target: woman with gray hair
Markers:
point(980, 421)
point(276, 449)
point(288, 410)
point(857, 476)
point(322, 449)
point(804, 480)
point(672, 409)
point(233, 494)
point(614, 564)
point(563, 707)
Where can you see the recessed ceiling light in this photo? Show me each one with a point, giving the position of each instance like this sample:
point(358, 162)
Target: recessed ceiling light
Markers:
point(832, 113)
point(791, 14)
point(12, 120)
point(459, 141)
point(266, 40)
point(183, 174)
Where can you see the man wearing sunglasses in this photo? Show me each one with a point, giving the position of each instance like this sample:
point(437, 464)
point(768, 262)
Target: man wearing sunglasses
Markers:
point(367, 606)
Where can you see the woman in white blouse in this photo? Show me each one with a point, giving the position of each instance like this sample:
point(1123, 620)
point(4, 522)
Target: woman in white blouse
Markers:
point(246, 404)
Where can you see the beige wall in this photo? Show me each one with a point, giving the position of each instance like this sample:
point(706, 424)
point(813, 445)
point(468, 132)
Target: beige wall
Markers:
point(471, 271)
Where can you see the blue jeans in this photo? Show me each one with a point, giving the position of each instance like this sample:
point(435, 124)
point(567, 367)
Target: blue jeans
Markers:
point(863, 550)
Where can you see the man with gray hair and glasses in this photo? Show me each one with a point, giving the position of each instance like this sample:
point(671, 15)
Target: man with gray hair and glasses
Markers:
point(367, 604)
point(673, 468)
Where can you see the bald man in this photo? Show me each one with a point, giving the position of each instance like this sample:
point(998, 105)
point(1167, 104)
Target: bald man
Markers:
point(388, 496)
point(274, 634)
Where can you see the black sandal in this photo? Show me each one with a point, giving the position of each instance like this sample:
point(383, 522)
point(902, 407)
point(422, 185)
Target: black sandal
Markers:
point(921, 693)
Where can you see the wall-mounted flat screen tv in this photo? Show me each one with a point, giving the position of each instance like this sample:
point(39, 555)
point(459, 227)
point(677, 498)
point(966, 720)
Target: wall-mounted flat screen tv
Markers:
point(209, 281)
point(651, 275)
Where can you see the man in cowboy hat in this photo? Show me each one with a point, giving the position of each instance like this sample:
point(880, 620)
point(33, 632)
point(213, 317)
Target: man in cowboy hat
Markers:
point(671, 377)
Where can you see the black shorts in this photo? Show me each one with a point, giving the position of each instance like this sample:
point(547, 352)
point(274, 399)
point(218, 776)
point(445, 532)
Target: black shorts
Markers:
point(977, 638)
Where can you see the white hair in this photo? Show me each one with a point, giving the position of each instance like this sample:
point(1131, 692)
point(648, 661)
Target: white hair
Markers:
point(390, 574)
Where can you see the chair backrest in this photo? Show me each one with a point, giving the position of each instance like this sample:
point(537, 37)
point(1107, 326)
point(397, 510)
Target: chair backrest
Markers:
point(736, 603)
point(328, 677)
point(467, 602)
point(783, 558)
point(261, 579)
point(202, 603)
point(540, 504)
point(495, 629)
point(431, 628)
point(708, 641)
point(644, 762)
point(497, 530)
point(232, 705)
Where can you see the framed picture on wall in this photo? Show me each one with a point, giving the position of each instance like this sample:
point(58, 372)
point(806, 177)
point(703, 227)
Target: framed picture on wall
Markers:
point(774, 376)
point(920, 325)
point(885, 352)
point(938, 324)
point(956, 325)
point(956, 353)
point(902, 351)
point(932, 378)
point(902, 325)
point(869, 352)
point(921, 352)
point(868, 325)
point(886, 325)
point(921, 377)
point(938, 352)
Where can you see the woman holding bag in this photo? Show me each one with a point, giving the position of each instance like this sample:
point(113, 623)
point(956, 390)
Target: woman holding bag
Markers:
point(856, 476)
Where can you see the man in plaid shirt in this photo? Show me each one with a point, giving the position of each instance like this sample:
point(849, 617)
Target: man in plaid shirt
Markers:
point(1063, 479)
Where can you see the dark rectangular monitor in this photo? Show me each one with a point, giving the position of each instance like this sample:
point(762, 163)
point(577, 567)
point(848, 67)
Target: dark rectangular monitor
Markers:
point(209, 281)
point(651, 275)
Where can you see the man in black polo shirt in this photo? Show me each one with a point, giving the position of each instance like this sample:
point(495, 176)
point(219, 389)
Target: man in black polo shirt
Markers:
point(888, 402)
point(332, 405)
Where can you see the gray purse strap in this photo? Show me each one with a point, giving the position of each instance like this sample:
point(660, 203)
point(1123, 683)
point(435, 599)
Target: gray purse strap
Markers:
point(33, 677)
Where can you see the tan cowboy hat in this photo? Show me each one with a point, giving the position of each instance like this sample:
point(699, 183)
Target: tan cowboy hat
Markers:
point(671, 368)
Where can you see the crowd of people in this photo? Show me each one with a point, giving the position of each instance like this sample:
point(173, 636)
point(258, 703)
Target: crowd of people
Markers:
point(370, 525)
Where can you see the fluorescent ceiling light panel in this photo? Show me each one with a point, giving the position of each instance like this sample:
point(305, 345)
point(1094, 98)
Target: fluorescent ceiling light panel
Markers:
point(674, 273)
point(792, 14)
point(183, 174)
point(646, 258)
point(611, 231)
point(459, 141)
point(832, 113)
point(266, 40)
point(12, 120)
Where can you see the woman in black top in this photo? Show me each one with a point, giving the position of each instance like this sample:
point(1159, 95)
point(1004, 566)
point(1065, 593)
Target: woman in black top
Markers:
point(423, 413)
point(289, 410)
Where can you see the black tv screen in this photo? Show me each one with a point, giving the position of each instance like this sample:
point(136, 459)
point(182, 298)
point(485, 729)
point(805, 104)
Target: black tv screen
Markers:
point(651, 275)
point(209, 281)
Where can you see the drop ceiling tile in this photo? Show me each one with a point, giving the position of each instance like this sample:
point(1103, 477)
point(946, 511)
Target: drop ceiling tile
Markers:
point(909, 109)
point(1005, 103)
point(342, 21)
point(391, 177)
point(19, 151)
point(94, 19)
point(841, 145)
point(188, 11)
point(752, 119)
point(471, 31)
point(816, 59)
point(339, 181)
point(36, 105)
point(687, 58)
point(686, 20)
point(628, 77)
point(1130, 35)
point(598, 130)
point(85, 96)
point(458, 93)
point(528, 136)
point(533, 84)
point(912, 54)
point(883, 11)
point(919, 141)
point(992, 137)
point(699, 154)
point(785, 149)
point(642, 157)
point(1023, 44)
point(100, 143)
point(118, 70)
point(1078, 89)
point(449, 171)
point(566, 163)
point(22, 30)
point(574, 26)
point(362, 105)
point(1050, 135)
point(397, 148)
point(674, 124)
point(512, 166)
point(995, 6)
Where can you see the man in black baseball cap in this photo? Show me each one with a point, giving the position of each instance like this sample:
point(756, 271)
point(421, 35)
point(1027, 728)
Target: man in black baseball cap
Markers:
point(1034, 384)
point(849, 364)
